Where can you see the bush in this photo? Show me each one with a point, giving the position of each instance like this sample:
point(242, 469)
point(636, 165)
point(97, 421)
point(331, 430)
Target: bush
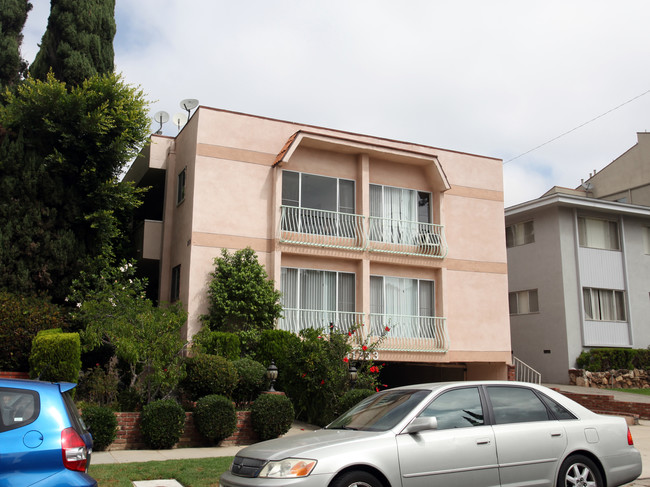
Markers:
point(271, 415)
point(98, 385)
point(162, 423)
point(604, 359)
point(217, 343)
point(129, 399)
point(21, 318)
point(209, 374)
point(55, 356)
point(352, 398)
point(252, 378)
point(215, 417)
point(102, 423)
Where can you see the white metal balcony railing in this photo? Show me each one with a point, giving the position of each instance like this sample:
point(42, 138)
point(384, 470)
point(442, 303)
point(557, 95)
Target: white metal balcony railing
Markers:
point(406, 333)
point(322, 228)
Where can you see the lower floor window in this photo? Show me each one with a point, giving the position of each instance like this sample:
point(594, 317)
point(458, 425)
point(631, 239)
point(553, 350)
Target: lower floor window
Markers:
point(604, 304)
point(523, 302)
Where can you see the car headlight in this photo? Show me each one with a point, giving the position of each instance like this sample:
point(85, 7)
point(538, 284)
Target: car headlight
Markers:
point(288, 468)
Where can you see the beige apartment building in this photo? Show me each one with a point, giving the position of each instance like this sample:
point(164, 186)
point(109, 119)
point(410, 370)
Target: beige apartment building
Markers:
point(352, 229)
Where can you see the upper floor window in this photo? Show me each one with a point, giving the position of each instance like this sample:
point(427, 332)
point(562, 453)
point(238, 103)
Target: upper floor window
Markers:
point(523, 302)
point(399, 215)
point(180, 186)
point(520, 234)
point(604, 304)
point(598, 234)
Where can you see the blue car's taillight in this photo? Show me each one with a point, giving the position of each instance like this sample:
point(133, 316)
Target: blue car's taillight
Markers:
point(73, 450)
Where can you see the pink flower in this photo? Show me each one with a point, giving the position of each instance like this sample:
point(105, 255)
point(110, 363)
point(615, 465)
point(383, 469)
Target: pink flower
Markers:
point(387, 328)
point(345, 359)
point(349, 333)
point(322, 382)
point(364, 348)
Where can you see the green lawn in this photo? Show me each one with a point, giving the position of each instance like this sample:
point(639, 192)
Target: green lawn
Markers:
point(202, 472)
point(644, 392)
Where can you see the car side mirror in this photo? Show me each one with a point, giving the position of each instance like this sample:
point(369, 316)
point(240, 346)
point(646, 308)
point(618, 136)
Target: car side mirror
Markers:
point(421, 423)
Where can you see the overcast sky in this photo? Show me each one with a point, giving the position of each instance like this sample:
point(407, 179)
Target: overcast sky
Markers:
point(489, 77)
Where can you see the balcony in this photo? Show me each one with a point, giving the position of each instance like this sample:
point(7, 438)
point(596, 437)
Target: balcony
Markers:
point(406, 333)
point(330, 229)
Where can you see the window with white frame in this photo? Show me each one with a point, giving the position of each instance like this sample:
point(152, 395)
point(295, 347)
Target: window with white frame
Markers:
point(406, 306)
point(598, 233)
point(523, 302)
point(180, 186)
point(399, 215)
point(321, 203)
point(520, 234)
point(317, 298)
point(604, 304)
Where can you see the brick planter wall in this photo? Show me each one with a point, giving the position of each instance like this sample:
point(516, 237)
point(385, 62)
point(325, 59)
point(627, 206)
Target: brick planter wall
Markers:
point(14, 375)
point(129, 437)
point(606, 404)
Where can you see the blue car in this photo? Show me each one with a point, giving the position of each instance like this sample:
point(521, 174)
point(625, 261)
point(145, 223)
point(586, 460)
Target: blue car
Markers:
point(43, 441)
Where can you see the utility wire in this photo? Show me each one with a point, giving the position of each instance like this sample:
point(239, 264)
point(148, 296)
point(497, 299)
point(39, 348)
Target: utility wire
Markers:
point(578, 127)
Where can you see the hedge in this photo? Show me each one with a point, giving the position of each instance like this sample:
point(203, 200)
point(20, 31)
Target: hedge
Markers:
point(55, 356)
point(604, 359)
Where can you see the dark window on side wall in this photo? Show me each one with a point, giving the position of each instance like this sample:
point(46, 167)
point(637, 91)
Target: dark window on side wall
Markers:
point(180, 187)
point(176, 283)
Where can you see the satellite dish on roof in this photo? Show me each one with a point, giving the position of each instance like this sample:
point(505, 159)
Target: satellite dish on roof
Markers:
point(179, 119)
point(161, 117)
point(189, 104)
point(588, 186)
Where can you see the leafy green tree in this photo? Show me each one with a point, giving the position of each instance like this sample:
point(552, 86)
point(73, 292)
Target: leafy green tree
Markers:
point(13, 14)
point(62, 206)
point(113, 310)
point(78, 42)
point(241, 296)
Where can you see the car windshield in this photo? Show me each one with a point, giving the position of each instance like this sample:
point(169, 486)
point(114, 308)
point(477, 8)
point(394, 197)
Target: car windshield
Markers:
point(381, 411)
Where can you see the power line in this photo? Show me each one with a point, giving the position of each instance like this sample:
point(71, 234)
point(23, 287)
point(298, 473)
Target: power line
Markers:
point(578, 127)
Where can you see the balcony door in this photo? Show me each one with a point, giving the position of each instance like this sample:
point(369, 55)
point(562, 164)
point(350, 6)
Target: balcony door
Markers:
point(398, 215)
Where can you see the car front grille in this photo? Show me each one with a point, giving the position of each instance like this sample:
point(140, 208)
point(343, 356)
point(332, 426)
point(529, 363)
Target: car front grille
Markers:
point(247, 467)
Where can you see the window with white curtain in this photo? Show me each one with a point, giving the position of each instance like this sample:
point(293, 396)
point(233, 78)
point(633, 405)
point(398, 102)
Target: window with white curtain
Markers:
point(398, 215)
point(604, 304)
point(321, 203)
point(523, 302)
point(404, 305)
point(598, 234)
point(520, 234)
point(316, 298)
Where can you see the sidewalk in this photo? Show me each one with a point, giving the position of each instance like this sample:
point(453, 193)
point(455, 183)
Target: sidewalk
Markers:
point(640, 433)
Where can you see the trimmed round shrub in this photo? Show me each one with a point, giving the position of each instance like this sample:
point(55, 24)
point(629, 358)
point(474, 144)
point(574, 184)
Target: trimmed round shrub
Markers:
point(352, 398)
point(209, 374)
point(162, 423)
point(215, 417)
point(102, 424)
point(271, 415)
point(252, 379)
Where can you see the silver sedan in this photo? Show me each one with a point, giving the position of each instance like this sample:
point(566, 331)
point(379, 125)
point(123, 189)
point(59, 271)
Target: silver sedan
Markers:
point(465, 434)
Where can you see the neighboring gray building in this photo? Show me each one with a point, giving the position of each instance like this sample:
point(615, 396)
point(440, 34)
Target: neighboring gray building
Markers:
point(579, 267)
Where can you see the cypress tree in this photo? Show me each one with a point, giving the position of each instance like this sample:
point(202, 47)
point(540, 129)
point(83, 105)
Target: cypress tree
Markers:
point(78, 42)
point(13, 14)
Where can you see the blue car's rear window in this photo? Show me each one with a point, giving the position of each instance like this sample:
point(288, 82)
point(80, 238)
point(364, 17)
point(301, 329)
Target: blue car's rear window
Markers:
point(18, 407)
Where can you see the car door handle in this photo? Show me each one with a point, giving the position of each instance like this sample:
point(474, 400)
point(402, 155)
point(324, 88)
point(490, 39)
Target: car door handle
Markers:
point(483, 441)
point(556, 435)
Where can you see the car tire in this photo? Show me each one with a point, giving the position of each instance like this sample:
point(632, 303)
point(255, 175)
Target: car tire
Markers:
point(579, 471)
point(356, 479)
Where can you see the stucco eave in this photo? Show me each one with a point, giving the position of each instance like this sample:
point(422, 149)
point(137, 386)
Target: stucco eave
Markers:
point(569, 201)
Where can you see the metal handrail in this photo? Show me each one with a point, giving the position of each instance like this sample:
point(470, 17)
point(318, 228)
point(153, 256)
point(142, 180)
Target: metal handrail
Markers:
point(525, 373)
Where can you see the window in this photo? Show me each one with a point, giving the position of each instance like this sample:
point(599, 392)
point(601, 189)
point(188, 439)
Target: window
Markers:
point(180, 187)
point(598, 234)
point(321, 204)
point(604, 304)
point(18, 407)
point(404, 305)
point(559, 411)
point(315, 298)
point(399, 215)
point(516, 405)
point(460, 408)
point(646, 240)
point(523, 302)
point(520, 234)
point(176, 283)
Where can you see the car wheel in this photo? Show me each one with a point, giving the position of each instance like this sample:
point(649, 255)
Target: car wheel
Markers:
point(579, 471)
point(356, 479)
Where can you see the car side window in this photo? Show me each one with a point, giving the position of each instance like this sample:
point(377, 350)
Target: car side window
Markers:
point(18, 407)
point(458, 408)
point(516, 405)
point(557, 409)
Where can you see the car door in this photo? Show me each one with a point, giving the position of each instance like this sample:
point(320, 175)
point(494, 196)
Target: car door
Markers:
point(460, 452)
point(529, 440)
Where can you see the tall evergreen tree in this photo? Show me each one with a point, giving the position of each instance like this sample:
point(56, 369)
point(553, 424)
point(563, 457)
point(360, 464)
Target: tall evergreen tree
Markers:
point(78, 42)
point(13, 14)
